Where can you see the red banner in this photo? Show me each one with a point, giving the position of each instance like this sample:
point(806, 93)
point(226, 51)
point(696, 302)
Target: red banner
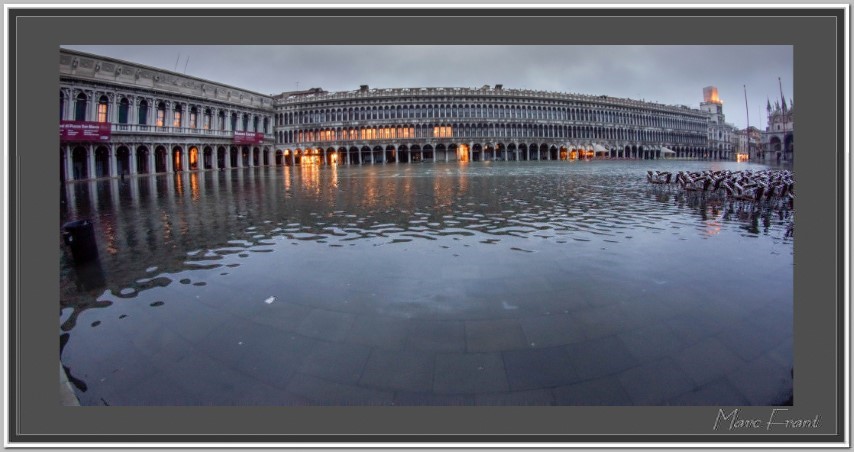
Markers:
point(84, 131)
point(243, 137)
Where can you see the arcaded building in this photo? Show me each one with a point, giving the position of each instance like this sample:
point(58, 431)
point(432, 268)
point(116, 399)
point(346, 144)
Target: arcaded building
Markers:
point(402, 125)
point(120, 118)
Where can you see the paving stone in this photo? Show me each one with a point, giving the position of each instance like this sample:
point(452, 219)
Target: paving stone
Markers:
point(494, 335)
point(410, 371)
point(717, 393)
point(690, 329)
point(749, 340)
point(550, 330)
point(707, 360)
point(278, 314)
point(326, 325)
point(600, 357)
point(655, 383)
point(653, 341)
point(431, 399)
point(275, 362)
point(469, 373)
point(324, 392)
point(605, 321)
point(336, 361)
point(539, 368)
point(436, 335)
point(763, 381)
point(606, 391)
point(381, 332)
point(232, 342)
point(534, 397)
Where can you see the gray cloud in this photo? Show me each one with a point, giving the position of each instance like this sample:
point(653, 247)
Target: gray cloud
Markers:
point(666, 74)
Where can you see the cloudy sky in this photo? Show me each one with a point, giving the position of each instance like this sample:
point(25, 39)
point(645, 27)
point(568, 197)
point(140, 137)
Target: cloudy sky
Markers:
point(665, 74)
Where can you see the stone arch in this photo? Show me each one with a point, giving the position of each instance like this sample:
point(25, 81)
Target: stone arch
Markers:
point(142, 160)
point(123, 159)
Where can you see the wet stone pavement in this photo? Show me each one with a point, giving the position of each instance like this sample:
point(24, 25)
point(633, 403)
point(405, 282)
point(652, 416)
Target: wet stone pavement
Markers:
point(517, 283)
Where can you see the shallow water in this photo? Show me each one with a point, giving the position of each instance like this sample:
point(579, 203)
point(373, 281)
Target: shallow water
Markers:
point(428, 284)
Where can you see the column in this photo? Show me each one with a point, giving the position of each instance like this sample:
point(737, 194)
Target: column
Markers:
point(170, 166)
point(132, 160)
point(90, 154)
point(68, 161)
point(324, 157)
point(151, 160)
point(471, 152)
point(185, 158)
point(133, 114)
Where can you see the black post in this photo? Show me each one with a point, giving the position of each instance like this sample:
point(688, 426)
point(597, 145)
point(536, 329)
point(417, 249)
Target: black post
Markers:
point(80, 237)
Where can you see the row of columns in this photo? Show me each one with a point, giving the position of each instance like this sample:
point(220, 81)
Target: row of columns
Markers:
point(150, 156)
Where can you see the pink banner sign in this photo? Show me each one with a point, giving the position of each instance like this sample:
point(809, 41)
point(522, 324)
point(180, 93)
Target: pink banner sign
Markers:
point(243, 137)
point(84, 131)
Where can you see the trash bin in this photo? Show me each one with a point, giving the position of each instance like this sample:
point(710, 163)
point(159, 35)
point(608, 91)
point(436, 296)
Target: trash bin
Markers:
point(80, 237)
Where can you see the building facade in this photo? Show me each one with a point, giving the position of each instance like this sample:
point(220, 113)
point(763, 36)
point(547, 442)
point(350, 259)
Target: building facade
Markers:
point(491, 123)
point(120, 118)
point(778, 139)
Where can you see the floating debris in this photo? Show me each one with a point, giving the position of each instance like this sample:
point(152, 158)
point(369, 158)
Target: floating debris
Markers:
point(270, 300)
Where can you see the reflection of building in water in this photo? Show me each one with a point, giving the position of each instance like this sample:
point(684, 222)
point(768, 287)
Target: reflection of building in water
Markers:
point(119, 117)
point(778, 139)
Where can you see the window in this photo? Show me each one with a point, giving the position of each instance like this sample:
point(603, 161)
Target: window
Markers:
point(61, 103)
point(176, 117)
point(124, 108)
point(194, 118)
point(207, 122)
point(143, 113)
point(102, 109)
point(161, 115)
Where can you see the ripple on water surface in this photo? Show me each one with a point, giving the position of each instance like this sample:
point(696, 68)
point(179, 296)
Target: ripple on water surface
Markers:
point(423, 270)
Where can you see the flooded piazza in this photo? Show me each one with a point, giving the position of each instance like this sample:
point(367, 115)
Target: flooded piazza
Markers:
point(490, 283)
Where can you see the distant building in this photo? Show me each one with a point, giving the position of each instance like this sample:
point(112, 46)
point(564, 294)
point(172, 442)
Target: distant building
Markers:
point(778, 139)
point(750, 147)
point(720, 133)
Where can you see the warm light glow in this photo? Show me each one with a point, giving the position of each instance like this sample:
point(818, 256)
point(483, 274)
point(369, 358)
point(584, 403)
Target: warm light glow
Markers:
point(741, 158)
point(443, 132)
point(102, 112)
point(463, 153)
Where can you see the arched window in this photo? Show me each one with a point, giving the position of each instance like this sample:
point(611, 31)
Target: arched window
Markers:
point(103, 103)
point(161, 115)
point(80, 108)
point(206, 123)
point(124, 109)
point(143, 113)
point(245, 122)
point(267, 122)
point(255, 124)
point(221, 121)
point(194, 118)
point(176, 116)
point(234, 121)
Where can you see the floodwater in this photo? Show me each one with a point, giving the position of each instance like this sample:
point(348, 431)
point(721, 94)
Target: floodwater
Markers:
point(491, 283)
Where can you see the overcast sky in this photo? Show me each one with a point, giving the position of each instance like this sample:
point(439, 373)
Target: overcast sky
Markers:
point(666, 74)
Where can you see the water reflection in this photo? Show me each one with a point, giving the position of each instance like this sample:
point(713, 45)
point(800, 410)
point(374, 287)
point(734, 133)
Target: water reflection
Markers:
point(442, 241)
